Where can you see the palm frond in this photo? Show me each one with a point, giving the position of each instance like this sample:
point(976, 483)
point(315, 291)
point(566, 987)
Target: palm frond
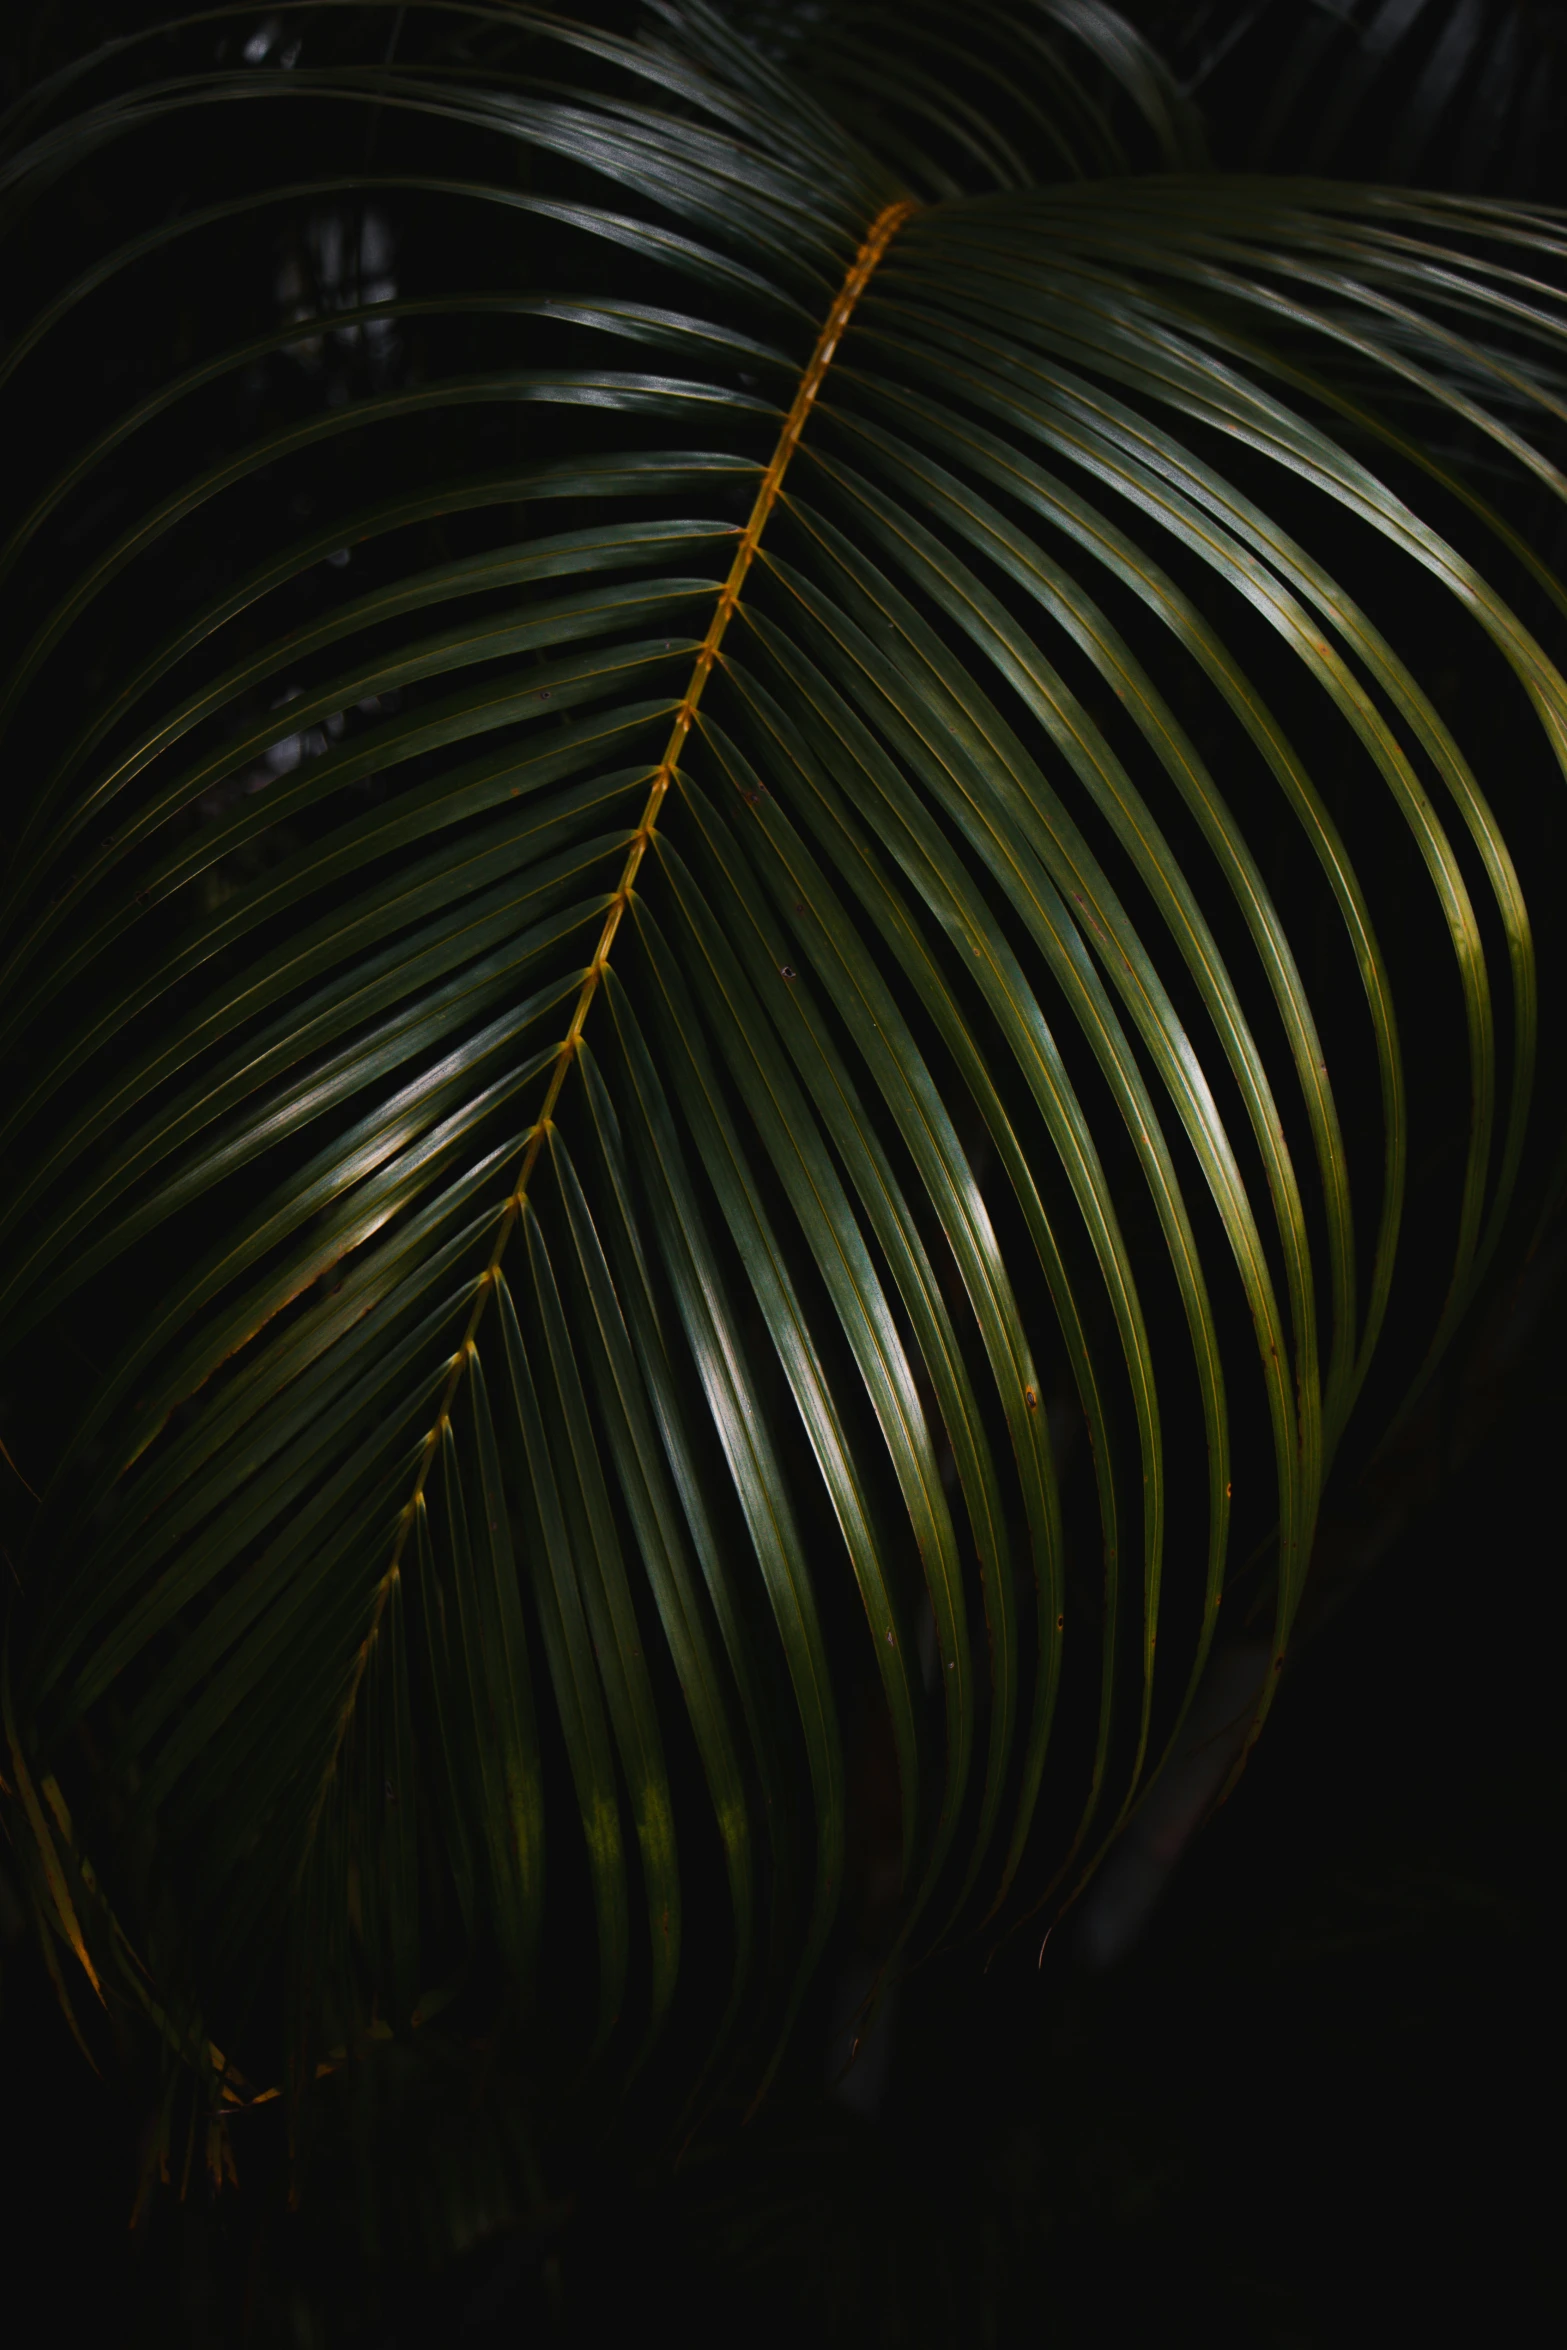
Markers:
point(682, 889)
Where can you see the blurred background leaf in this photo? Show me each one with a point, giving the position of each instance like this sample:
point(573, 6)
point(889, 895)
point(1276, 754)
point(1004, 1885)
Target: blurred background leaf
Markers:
point(915, 1265)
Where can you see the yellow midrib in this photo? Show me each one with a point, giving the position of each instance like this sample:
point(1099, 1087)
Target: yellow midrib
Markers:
point(881, 232)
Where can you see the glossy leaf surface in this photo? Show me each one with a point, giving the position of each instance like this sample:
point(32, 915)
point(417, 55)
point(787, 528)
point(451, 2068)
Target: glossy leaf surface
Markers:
point(714, 907)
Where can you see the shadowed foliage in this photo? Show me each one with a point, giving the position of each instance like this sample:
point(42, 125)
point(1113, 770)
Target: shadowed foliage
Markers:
point(770, 814)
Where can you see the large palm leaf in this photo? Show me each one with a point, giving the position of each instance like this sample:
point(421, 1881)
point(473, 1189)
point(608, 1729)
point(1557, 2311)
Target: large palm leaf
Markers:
point(685, 882)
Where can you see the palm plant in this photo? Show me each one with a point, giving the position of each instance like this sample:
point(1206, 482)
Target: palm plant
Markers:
point(752, 968)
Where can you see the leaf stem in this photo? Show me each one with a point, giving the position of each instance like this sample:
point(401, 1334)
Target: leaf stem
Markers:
point(879, 236)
